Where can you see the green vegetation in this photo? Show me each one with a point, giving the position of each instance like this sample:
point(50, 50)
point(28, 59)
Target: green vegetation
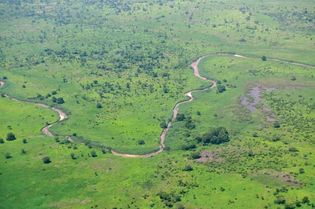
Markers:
point(117, 68)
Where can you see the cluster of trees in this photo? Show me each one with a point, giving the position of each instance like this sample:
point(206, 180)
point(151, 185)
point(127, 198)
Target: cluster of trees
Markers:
point(169, 199)
point(189, 124)
point(215, 136)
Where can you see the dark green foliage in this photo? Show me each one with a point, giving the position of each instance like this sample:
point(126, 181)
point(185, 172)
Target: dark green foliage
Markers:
point(180, 117)
point(23, 151)
point(305, 200)
point(280, 200)
point(293, 149)
point(46, 160)
point(169, 199)
point(24, 141)
point(93, 153)
point(188, 147)
point(289, 206)
point(220, 88)
point(1, 141)
point(58, 100)
point(195, 155)
point(11, 136)
point(264, 58)
point(141, 142)
point(163, 124)
point(73, 157)
point(7, 155)
point(99, 105)
point(216, 136)
point(189, 123)
point(276, 124)
point(188, 168)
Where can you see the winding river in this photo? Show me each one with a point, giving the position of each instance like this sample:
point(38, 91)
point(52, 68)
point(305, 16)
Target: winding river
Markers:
point(212, 84)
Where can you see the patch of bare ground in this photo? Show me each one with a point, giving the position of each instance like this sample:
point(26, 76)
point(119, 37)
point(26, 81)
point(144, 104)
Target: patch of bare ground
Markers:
point(252, 100)
point(282, 177)
point(210, 156)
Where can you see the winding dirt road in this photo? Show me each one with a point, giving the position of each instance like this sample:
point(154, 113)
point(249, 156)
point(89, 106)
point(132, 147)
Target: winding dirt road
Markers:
point(63, 116)
point(45, 130)
point(164, 132)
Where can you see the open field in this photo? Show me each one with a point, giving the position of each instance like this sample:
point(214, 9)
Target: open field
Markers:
point(117, 69)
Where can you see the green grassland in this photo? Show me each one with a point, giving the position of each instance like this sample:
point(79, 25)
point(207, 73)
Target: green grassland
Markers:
point(120, 67)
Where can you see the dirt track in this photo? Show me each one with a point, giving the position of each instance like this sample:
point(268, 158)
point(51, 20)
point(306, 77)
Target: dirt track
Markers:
point(63, 116)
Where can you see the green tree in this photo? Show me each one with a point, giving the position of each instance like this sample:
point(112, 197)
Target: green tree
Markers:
point(46, 160)
point(11, 136)
point(216, 136)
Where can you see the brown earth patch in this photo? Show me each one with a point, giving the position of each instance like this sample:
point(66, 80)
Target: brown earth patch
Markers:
point(210, 156)
point(282, 177)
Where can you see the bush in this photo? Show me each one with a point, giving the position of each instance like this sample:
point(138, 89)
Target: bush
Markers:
point(220, 88)
point(264, 58)
point(216, 136)
point(141, 142)
point(93, 153)
point(195, 155)
point(99, 105)
point(24, 141)
point(46, 160)
point(180, 117)
point(7, 155)
point(293, 149)
point(58, 100)
point(280, 200)
point(188, 168)
point(276, 124)
point(305, 200)
point(11, 136)
point(1, 141)
point(23, 151)
point(73, 157)
point(163, 125)
point(188, 146)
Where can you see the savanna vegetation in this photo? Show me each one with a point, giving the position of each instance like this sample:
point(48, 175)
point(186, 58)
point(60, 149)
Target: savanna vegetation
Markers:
point(117, 68)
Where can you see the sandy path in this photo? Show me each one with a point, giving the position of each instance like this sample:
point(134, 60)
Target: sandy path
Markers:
point(63, 116)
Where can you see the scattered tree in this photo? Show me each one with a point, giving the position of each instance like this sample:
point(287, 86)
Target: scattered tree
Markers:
point(46, 160)
point(11, 136)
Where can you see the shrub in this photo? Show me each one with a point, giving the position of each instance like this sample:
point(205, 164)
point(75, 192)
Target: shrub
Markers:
point(180, 117)
point(188, 168)
point(58, 100)
point(220, 88)
point(141, 142)
point(264, 58)
point(73, 157)
point(93, 153)
point(24, 141)
point(23, 151)
point(280, 200)
point(1, 141)
point(11, 136)
point(99, 105)
point(46, 160)
point(216, 136)
point(293, 149)
point(276, 124)
point(188, 146)
point(305, 200)
point(195, 155)
point(7, 155)
point(163, 124)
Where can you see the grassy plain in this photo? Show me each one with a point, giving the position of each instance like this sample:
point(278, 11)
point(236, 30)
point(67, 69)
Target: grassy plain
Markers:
point(131, 58)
